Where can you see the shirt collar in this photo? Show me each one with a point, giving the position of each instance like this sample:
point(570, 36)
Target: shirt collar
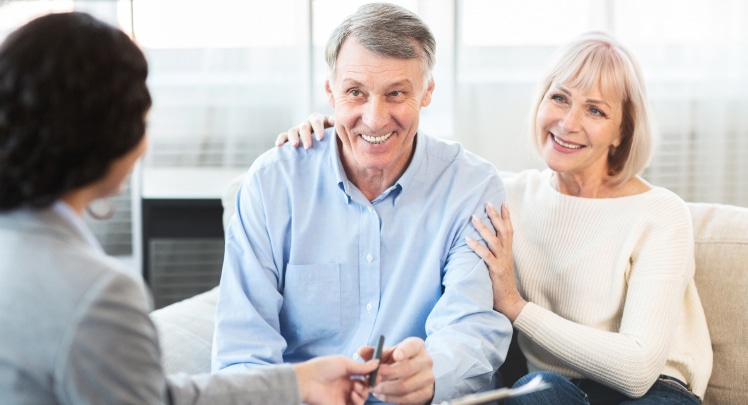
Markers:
point(419, 156)
point(67, 213)
point(396, 189)
point(337, 164)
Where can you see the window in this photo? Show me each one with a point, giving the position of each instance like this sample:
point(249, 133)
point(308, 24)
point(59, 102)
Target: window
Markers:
point(228, 75)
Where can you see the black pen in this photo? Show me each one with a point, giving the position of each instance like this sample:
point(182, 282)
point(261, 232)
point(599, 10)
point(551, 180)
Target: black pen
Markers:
point(377, 356)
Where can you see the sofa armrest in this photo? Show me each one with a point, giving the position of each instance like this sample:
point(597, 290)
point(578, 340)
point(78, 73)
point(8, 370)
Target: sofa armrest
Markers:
point(721, 250)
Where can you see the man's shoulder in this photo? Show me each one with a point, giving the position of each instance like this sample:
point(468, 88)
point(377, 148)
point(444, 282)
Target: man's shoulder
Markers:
point(451, 152)
point(287, 159)
point(449, 164)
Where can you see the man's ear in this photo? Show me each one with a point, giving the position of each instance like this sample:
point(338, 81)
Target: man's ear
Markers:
point(426, 100)
point(328, 90)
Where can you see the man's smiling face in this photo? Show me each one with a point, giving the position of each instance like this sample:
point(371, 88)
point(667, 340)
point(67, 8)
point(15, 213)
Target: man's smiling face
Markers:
point(377, 102)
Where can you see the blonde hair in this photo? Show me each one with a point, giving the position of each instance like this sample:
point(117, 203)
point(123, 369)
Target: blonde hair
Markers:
point(594, 59)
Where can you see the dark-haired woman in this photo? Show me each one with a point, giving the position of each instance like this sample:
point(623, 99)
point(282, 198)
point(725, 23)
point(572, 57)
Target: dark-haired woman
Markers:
point(75, 325)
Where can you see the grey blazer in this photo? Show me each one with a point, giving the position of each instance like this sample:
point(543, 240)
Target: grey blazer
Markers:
point(74, 329)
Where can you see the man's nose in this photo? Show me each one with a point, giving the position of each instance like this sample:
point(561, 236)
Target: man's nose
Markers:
point(376, 114)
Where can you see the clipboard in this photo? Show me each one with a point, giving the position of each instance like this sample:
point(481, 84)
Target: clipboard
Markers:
point(534, 385)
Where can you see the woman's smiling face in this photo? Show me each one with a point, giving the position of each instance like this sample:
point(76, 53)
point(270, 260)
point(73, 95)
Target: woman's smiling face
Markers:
point(576, 130)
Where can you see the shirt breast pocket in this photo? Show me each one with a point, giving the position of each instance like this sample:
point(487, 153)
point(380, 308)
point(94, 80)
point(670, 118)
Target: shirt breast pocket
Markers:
point(311, 302)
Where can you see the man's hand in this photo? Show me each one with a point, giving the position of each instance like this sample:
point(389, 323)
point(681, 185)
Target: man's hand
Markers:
point(405, 376)
point(327, 380)
point(316, 123)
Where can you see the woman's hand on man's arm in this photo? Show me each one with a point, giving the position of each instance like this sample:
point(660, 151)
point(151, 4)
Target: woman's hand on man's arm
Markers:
point(500, 260)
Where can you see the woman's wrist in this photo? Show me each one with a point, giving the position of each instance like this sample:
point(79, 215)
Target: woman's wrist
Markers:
point(511, 309)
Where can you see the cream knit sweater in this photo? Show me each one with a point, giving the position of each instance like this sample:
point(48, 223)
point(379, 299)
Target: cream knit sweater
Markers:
point(610, 286)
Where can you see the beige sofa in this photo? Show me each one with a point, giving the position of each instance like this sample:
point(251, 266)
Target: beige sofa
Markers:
point(721, 234)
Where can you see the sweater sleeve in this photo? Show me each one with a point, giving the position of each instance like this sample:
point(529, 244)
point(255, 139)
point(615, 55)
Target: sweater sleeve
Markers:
point(631, 358)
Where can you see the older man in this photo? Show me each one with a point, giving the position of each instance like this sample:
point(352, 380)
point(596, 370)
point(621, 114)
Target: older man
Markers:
point(364, 234)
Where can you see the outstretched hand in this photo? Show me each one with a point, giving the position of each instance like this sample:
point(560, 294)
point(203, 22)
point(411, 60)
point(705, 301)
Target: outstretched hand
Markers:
point(500, 260)
point(405, 376)
point(328, 380)
point(316, 123)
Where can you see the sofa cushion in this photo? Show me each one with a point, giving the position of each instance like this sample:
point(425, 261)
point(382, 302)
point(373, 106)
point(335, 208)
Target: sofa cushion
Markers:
point(185, 332)
point(721, 236)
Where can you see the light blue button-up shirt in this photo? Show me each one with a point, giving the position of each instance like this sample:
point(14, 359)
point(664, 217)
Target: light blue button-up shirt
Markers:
point(314, 268)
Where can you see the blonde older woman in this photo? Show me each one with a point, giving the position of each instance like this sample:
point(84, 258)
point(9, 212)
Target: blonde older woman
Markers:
point(604, 299)
point(595, 266)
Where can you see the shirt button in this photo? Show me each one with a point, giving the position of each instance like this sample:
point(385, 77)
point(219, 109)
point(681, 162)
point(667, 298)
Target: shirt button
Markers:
point(355, 356)
point(368, 306)
point(371, 209)
point(369, 258)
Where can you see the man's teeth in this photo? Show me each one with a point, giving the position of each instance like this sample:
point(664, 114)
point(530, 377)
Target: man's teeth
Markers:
point(376, 139)
point(564, 144)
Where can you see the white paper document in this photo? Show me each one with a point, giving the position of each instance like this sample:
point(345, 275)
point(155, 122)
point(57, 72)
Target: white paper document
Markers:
point(534, 385)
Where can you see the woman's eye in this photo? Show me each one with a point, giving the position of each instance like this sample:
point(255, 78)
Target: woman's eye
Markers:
point(558, 98)
point(595, 111)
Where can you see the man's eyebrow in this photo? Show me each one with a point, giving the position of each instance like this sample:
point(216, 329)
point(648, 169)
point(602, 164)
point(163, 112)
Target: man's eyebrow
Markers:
point(351, 82)
point(399, 83)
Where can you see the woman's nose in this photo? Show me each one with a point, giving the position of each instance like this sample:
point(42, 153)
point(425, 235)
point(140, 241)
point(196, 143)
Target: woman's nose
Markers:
point(571, 121)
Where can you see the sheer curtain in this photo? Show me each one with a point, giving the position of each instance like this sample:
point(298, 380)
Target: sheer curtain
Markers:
point(695, 57)
point(228, 75)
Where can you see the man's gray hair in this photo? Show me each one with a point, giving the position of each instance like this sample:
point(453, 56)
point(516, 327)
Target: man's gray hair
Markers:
point(387, 30)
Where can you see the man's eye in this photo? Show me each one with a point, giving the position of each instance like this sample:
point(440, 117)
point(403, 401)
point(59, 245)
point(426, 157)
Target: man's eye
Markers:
point(355, 93)
point(395, 93)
